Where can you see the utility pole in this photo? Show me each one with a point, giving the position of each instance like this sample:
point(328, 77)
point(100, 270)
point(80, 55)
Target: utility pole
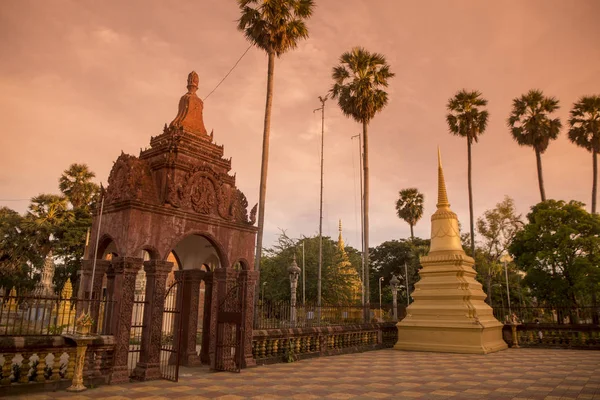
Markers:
point(322, 108)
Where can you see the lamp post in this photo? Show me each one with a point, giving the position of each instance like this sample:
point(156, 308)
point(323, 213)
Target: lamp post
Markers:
point(406, 281)
point(380, 280)
point(395, 285)
point(505, 260)
point(303, 277)
point(293, 272)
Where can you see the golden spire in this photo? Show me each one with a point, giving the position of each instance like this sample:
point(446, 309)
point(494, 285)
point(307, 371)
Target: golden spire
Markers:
point(341, 244)
point(442, 194)
point(444, 223)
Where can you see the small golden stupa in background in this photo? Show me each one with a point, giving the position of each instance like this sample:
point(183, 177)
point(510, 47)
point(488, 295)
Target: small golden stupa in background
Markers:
point(448, 313)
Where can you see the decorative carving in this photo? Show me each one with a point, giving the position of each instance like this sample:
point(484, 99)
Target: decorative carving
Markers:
point(253, 214)
point(224, 200)
point(239, 206)
point(202, 193)
point(175, 193)
point(130, 179)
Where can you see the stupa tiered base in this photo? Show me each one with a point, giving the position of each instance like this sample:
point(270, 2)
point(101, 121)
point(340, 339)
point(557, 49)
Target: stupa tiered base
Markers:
point(449, 313)
point(453, 318)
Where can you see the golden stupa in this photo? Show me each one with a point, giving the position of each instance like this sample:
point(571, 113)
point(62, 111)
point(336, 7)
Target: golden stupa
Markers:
point(448, 313)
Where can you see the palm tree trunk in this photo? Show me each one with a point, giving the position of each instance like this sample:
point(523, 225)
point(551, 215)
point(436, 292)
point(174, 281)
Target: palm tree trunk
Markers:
point(366, 214)
point(595, 183)
point(412, 235)
point(538, 157)
point(265, 161)
point(471, 200)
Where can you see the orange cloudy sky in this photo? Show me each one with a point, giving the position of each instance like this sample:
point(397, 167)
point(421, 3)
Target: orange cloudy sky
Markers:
point(82, 80)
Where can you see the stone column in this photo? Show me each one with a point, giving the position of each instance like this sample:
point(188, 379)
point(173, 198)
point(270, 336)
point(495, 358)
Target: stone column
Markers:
point(111, 305)
point(208, 290)
point(148, 367)
point(94, 305)
point(125, 270)
point(189, 311)
point(251, 280)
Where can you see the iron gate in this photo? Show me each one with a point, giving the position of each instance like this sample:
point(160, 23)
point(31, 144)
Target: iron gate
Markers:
point(135, 334)
point(230, 328)
point(171, 332)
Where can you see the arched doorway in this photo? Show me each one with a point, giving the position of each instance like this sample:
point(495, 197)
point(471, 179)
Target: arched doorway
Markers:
point(196, 259)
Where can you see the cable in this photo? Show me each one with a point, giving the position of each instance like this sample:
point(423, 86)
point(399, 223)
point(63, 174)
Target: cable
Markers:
point(15, 199)
point(225, 77)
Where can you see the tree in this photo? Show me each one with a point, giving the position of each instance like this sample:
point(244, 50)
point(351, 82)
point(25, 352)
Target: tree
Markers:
point(75, 183)
point(496, 228)
point(275, 26)
point(584, 131)
point(467, 119)
point(389, 258)
point(359, 80)
point(558, 249)
point(336, 285)
point(531, 125)
point(18, 256)
point(409, 207)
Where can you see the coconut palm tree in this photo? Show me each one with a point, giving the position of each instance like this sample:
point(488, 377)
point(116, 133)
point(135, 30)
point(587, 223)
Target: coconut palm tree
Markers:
point(584, 131)
point(531, 125)
point(76, 184)
point(410, 207)
point(275, 26)
point(468, 119)
point(359, 80)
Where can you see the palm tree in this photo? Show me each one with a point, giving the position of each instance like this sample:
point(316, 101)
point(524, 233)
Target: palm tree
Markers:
point(274, 26)
point(531, 125)
point(467, 119)
point(585, 132)
point(358, 83)
point(46, 218)
point(410, 207)
point(75, 183)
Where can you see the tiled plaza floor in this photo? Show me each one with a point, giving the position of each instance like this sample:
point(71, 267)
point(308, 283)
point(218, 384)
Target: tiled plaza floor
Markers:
point(384, 374)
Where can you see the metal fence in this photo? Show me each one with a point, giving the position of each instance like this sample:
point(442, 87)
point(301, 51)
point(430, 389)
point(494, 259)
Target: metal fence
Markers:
point(52, 315)
point(585, 315)
point(278, 314)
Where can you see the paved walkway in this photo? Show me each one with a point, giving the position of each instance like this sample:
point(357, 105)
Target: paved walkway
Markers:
point(384, 374)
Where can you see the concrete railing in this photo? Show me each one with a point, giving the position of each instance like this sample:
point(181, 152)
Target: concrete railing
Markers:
point(286, 345)
point(47, 363)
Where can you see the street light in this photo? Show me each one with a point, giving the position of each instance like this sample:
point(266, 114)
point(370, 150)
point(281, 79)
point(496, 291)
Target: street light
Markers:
point(395, 284)
point(294, 272)
point(505, 260)
point(380, 280)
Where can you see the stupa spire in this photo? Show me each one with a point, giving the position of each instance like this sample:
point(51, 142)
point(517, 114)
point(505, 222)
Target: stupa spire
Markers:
point(341, 244)
point(445, 235)
point(442, 194)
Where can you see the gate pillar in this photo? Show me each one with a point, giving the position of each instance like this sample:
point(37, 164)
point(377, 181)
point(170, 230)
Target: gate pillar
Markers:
point(148, 367)
point(251, 278)
point(189, 314)
point(208, 291)
point(123, 274)
point(96, 286)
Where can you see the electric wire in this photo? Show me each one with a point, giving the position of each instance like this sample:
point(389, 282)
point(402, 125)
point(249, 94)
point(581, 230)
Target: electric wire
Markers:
point(231, 70)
